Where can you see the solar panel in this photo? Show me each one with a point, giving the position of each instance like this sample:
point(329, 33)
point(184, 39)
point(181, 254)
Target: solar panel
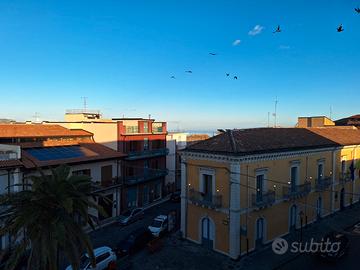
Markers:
point(53, 153)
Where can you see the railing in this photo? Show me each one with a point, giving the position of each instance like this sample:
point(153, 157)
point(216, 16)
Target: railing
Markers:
point(147, 153)
point(322, 183)
point(85, 111)
point(263, 200)
point(208, 200)
point(296, 191)
point(149, 174)
point(344, 178)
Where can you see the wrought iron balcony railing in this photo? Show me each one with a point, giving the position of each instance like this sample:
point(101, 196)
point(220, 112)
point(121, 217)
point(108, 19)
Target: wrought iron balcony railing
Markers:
point(147, 175)
point(263, 200)
point(296, 191)
point(147, 153)
point(322, 184)
point(208, 200)
point(344, 178)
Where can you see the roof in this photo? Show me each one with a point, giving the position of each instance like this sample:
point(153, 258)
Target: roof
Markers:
point(10, 163)
point(262, 140)
point(91, 152)
point(341, 135)
point(38, 130)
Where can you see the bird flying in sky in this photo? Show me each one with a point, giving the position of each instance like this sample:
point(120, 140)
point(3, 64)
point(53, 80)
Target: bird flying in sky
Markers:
point(235, 78)
point(172, 77)
point(212, 53)
point(188, 71)
point(278, 30)
point(340, 28)
point(357, 10)
point(227, 74)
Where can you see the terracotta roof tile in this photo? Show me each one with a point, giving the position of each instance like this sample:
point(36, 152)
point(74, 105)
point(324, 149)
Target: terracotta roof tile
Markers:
point(38, 130)
point(11, 163)
point(262, 140)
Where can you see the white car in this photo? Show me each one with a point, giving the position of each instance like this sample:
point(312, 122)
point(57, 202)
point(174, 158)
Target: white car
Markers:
point(130, 216)
point(104, 257)
point(159, 225)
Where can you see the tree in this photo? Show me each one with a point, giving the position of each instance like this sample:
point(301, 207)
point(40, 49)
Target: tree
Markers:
point(48, 215)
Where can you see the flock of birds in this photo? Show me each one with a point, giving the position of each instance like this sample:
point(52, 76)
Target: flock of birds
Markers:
point(339, 29)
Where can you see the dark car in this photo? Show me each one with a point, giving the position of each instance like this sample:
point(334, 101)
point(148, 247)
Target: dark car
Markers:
point(134, 242)
point(175, 196)
point(338, 250)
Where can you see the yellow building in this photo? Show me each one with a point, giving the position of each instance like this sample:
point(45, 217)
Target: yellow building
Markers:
point(243, 188)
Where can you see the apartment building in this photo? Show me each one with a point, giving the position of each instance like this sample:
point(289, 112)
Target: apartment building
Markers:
point(175, 141)
point(142, 140)
point(243, 188)
point(45, 146)
point(10, 166)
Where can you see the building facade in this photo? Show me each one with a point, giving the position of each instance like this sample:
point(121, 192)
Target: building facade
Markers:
point(144, 143)
point(244, 188)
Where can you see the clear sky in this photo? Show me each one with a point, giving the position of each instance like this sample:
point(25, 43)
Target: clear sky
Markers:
point(122, 54)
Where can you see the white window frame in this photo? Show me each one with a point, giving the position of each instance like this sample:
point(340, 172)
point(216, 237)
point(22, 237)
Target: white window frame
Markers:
point(207, 171)
point(263, 172)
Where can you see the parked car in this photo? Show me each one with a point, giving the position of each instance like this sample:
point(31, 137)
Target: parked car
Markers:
point(134, 242)
point(130, 216)
point(175, 196)
point(159, 225)
point(104, 256)
point(334, 237)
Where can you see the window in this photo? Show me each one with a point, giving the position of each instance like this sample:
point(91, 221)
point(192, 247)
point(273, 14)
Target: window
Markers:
point(259, 186)
point(343, 167)
point(294, 177)
point(320, 172)
point(146, 127)
point(146, 143)
point(131, 197)
point(132, 129)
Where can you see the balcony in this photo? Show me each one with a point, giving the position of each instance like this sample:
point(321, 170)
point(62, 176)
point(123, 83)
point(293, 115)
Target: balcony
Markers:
point(322, 184)
point(297, 191)
point(207, 200)
point(344, 178)
point(147, 153)
point(149, 174)
point(263, 200)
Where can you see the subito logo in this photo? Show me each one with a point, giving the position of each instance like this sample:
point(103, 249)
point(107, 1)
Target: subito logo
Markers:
point(280, 246)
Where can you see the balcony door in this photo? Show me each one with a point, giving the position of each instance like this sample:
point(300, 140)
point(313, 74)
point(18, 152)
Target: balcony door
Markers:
point(320, 173)
point(207, 186)
point(259, 187)
point(294, 178)
point(207, 232)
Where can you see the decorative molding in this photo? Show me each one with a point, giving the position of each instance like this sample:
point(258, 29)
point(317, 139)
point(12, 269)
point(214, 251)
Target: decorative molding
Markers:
point(255, 157)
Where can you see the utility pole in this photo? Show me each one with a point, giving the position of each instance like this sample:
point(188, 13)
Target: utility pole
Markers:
point(268, 120)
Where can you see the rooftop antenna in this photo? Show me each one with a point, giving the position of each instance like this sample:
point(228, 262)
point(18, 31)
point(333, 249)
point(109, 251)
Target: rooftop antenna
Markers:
point(275, 112)
point(36, 116)
point(330, 112)
point(268, 119)
point(85, 103)
point(149, 116)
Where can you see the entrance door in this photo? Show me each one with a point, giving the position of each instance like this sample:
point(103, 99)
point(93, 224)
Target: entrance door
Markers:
point(293, 216)
point(318, 208)
point(342, 199)
point(259, 233)
point(207, 233)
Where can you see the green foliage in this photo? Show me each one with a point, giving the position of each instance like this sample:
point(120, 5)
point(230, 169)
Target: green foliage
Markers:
point(48, 215)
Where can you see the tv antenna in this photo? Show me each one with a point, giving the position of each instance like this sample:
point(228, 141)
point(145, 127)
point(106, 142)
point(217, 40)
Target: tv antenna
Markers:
point(85, 103)
point(36, 116)
point(275, 112)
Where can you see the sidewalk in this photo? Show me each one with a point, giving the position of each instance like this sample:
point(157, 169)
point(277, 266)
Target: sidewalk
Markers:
point(267, 259)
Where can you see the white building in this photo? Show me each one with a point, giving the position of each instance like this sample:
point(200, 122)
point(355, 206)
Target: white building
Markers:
point(175, 141)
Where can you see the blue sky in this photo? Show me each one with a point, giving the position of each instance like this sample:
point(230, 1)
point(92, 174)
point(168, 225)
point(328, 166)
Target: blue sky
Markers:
point(121, 55)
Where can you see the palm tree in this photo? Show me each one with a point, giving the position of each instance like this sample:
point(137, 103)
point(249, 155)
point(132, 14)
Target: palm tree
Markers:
point(49, 214)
